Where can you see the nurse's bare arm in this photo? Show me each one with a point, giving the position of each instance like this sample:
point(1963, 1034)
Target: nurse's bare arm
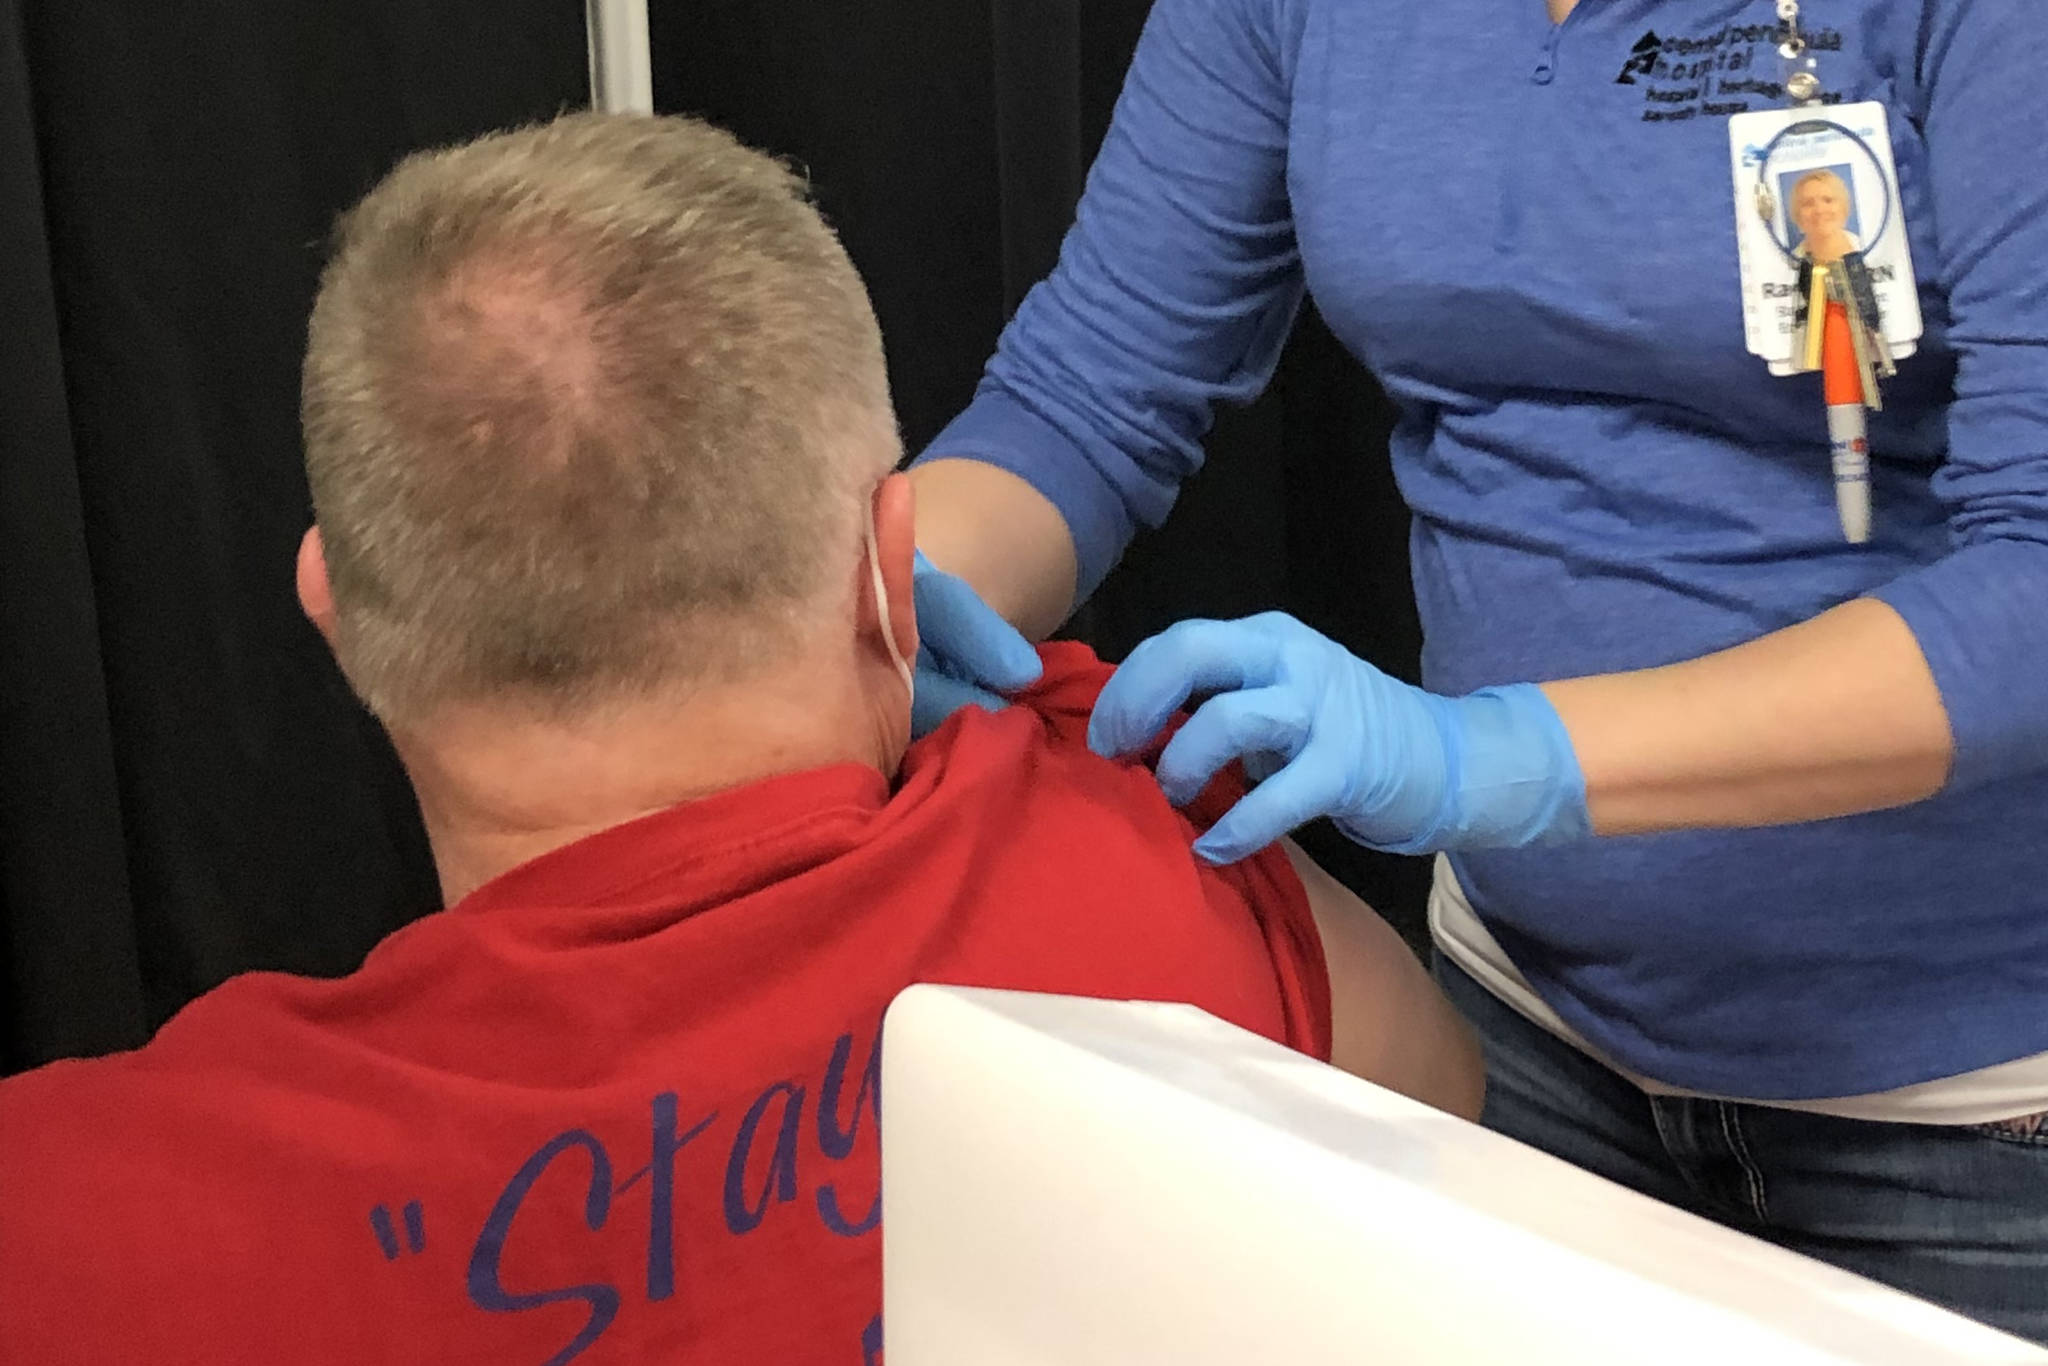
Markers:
point(1833, 716)
point(1389, 1023)
point(1003, 536)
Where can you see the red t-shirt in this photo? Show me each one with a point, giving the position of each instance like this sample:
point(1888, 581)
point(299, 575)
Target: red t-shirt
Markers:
point(620, 1104)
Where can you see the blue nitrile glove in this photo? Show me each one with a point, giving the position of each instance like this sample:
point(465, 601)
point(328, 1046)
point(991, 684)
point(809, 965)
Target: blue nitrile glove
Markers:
point(1398, 768)
point(966, 652)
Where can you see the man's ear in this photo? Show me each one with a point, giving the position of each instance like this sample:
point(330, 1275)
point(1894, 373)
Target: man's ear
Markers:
point(316, 596)
point(895, 513)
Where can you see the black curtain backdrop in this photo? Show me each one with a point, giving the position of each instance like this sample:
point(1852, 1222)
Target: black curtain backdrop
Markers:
point(186, 789)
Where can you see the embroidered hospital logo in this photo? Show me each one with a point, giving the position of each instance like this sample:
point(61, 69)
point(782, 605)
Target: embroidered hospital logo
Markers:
point(1642, 59)
point(1682, 76)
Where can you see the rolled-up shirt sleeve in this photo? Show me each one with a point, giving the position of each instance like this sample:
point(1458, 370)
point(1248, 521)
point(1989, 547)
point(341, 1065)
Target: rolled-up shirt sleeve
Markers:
point(1176, 287)
point(1980, 614)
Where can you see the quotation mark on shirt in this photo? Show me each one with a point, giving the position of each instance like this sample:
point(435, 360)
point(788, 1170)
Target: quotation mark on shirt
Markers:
point(387, 1236)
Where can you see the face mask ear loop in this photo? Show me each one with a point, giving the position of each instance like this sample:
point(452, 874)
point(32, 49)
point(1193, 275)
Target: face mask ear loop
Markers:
point(882, 601)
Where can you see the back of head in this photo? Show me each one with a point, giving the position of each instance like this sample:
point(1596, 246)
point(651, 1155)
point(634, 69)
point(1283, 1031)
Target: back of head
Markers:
point(591, 410)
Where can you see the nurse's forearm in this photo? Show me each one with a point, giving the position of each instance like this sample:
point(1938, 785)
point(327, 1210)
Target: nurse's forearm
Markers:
point(1001, 535)
point(1834, 716)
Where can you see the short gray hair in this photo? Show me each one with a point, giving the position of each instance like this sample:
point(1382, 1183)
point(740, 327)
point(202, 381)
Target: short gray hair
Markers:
point(589, 409)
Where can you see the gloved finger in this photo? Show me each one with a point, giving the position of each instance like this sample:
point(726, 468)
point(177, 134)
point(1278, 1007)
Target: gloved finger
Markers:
point(1260, 765)
point(1309, 787)
point(1226, 727)
point(1163, 672)
point(936, 695)
point(971, 636)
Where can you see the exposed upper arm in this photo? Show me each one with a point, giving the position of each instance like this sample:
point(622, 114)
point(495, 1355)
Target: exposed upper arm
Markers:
point(1389, 1023)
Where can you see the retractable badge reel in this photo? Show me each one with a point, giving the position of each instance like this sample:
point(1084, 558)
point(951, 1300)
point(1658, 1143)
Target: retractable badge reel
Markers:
point(1827, 275)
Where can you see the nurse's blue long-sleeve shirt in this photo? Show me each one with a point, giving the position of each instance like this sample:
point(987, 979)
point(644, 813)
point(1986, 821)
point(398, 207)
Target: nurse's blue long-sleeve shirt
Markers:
point(1527, 231)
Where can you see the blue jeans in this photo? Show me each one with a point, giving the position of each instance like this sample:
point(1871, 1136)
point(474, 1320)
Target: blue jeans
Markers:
point(1957, 1215)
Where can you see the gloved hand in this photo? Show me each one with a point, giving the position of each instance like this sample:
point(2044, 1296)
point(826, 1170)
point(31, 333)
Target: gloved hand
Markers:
point(966, 654)
point(1398, 768)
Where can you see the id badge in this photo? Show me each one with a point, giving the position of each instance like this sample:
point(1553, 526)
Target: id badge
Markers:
point(1825, 173)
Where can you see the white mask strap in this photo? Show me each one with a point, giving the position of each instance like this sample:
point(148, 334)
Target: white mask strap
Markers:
point(882, 600)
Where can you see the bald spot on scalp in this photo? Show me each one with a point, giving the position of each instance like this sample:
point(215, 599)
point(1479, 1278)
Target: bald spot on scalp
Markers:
point(511, 340)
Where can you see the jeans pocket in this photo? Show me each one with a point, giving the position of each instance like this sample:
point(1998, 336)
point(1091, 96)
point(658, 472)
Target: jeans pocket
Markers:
point(2025, 1129)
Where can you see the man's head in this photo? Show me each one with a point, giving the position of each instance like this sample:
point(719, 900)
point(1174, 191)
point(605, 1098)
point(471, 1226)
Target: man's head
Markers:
point(594, 412)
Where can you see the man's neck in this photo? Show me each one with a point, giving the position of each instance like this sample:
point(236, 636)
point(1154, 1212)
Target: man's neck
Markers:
point(498, 789)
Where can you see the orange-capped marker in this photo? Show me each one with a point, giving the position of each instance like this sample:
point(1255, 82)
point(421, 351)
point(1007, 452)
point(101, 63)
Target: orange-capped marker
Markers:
point(1848, 435)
